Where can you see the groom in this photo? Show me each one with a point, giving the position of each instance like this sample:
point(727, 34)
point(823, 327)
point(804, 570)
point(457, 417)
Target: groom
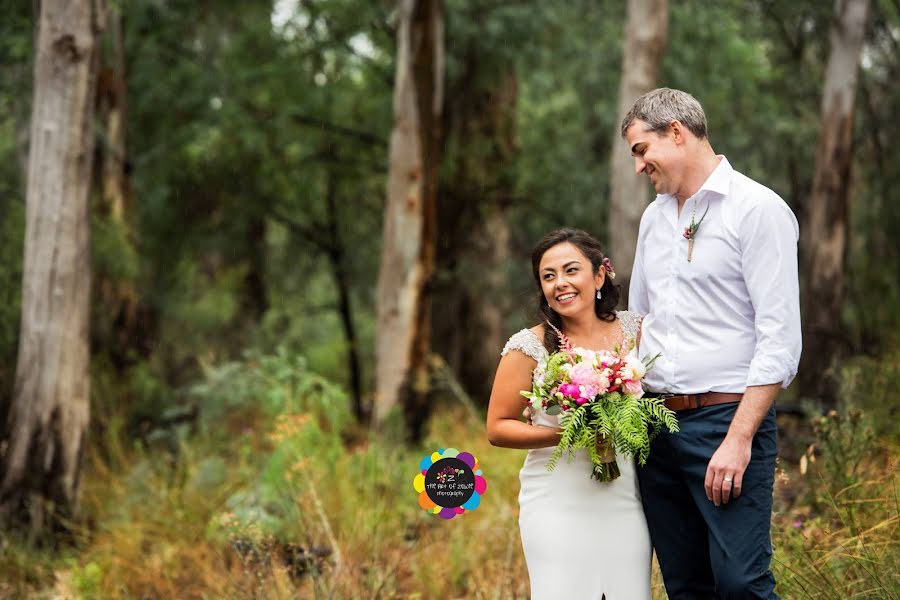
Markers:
point(715, 274)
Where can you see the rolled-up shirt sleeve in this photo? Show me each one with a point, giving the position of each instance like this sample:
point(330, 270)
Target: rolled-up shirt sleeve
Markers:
point(769, 234)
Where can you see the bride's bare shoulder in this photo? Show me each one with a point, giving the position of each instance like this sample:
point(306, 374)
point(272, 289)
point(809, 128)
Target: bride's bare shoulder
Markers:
point(538, 331)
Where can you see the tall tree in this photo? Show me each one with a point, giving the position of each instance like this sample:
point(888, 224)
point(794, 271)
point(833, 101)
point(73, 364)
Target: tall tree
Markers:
point(44, 436)
point(117, 299)
point(471, 291)
point(824, 239)
point(644, 45)
point(407, 261)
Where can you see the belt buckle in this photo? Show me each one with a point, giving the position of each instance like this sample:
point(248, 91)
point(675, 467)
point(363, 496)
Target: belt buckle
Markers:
point(698, 400)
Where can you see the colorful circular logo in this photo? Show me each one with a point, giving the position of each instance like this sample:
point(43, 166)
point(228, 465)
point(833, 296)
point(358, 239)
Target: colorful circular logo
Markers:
point(449, 483)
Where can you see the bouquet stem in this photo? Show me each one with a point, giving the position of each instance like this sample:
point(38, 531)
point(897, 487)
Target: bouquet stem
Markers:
point(607, 469)
point(606, 472)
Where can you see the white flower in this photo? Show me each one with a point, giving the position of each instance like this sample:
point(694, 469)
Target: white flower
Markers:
point(634, 368)
point(586, 356)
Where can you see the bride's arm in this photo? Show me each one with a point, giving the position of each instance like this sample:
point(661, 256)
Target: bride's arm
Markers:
point(503, 425)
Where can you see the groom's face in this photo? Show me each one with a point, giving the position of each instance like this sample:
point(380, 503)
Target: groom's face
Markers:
point(655, 155)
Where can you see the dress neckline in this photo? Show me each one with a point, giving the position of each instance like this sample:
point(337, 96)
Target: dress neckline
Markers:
point(625, 335)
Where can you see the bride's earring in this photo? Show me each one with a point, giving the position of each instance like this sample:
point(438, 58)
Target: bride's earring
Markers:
point(599, 295)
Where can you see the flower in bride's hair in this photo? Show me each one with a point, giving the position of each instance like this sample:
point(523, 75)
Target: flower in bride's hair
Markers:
point(609, 268)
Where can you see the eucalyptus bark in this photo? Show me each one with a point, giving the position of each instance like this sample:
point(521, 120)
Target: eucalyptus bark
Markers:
point(407, 261)
point(472, 300)
point(44, 437)
point(824, 230)
point(646, 34)
point(117, 298)
point(112, 100)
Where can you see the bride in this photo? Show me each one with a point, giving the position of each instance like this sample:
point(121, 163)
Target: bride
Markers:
point(582, 538)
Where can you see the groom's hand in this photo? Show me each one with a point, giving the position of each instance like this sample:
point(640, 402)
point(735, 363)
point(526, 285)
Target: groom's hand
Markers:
point(725, 472)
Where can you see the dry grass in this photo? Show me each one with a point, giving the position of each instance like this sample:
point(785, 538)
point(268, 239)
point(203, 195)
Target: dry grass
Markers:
point(231, 517)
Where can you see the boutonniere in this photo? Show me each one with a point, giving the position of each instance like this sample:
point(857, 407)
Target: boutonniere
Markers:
point(690, 232)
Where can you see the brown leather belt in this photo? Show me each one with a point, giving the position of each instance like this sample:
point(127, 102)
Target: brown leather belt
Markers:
point(691, 401)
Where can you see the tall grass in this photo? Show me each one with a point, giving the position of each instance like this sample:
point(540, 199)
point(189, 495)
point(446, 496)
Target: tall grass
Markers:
point(842, 538)
point(276, 494)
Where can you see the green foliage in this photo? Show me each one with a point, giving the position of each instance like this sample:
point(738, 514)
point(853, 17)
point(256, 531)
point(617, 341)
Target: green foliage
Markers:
point(870, 383)
point(567, 121)
point(844, 439)
point(12, 229)
point(15, 93)
point(307, 414)
point(87, 579)
point(239, 133)
point(112, 252)
point(629, 423)
point(273, 384)
point(841, 540)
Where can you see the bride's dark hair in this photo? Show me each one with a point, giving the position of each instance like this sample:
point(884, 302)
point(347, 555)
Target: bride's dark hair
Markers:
point(591, 248)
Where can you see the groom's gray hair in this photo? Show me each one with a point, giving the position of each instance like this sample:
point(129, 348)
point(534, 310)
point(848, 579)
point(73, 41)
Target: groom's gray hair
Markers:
point(659, 107)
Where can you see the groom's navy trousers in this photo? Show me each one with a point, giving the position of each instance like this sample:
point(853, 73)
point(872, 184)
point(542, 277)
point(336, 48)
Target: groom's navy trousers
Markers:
point(705, 551)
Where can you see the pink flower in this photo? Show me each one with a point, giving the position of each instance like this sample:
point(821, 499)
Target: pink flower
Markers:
point(587, 376)
point(633, 387)
point(607, 359)
point(570, 389)
point(687, 233)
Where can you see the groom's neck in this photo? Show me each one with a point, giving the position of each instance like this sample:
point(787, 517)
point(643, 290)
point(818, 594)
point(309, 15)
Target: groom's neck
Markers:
point(700, 162)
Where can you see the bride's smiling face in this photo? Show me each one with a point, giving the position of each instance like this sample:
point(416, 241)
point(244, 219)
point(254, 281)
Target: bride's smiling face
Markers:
point(568, 280)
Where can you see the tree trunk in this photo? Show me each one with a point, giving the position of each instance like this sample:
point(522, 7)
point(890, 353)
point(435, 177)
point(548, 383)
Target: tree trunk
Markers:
point(255, 296)
point(646, 33)
point(407, 260)
point(112, 100)
point(337, 256)
point(825, 225)
point(44, 437)
point(471, 296)
point(114, 331)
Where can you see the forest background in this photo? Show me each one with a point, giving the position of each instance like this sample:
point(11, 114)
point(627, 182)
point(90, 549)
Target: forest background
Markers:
point(304, 227)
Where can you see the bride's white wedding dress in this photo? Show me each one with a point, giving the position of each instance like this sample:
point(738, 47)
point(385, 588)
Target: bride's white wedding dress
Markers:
point(582, 538)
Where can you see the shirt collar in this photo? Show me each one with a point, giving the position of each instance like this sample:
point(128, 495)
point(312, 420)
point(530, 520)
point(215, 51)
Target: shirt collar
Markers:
point(719, 181)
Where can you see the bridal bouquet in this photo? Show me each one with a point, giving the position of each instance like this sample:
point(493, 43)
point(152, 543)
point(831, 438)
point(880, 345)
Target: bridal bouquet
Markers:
point(602, 403)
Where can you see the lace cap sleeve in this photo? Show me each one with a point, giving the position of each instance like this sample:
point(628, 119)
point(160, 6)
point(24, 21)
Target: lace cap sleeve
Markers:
point(631, 323)
point(526, 342)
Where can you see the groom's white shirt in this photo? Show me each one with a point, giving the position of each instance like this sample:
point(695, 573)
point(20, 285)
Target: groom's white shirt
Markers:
point(730, 318)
